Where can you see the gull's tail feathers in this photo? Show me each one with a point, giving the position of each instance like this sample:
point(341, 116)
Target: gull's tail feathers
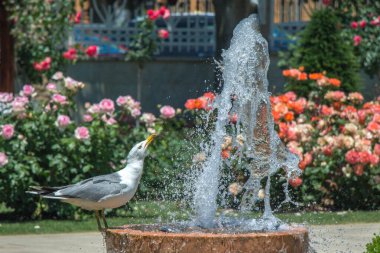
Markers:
point(45, 191)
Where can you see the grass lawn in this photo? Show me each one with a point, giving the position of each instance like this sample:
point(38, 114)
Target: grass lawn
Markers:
point(151, 212)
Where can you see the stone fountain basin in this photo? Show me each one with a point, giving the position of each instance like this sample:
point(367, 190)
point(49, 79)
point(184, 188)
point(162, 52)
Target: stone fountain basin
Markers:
point(130, 239)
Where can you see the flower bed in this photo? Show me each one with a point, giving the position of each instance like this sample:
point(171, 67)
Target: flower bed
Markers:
point(44, 143)
point(336, 136)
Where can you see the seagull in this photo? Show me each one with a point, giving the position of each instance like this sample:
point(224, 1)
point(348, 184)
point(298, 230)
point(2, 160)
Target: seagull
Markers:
point(101, 192)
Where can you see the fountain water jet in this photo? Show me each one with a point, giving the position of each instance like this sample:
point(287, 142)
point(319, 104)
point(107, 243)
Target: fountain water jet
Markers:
point(245, 93)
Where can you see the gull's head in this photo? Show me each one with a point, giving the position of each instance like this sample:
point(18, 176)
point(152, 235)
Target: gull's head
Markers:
point(139, 151)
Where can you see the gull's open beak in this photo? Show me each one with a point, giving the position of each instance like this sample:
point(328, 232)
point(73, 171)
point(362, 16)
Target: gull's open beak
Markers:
point(150, 139)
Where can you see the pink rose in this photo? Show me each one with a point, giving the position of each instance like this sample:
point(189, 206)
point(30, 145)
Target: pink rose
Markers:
point(27, 90)
point(51, 87)
point(70, 83)
point(19, 103)
point(163, 33)
point(87, 118)
point(291, 95)
point(354, 24)
point(335, 96)
point(355, 96)
point(357, 40)
point(375, 22)
point(60, 99)
point(376, 149)
point(7, 131)
point(291, 134)
point(374, 159)
point(108, 121)
point(107, 105)
point(82, 133)
point(326, 111)
point(6, 97)
point(135, 113)
point(363, 23)
point(167, 112)
point(3, 159)
point(120, 101)
point(57, 76)
point(63, 121)
point(94, 109)
point(148, 119)
point(92, 51)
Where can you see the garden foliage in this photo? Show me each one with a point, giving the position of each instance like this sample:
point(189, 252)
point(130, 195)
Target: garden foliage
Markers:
point(144, 44)
point(374, 246)
point(363, 30)
point(43, 143)
point(40, 29)
point(320, 47)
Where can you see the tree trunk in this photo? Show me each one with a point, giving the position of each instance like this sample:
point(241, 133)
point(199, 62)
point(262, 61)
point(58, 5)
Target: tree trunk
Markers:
point(6, 53)
point(228, 13)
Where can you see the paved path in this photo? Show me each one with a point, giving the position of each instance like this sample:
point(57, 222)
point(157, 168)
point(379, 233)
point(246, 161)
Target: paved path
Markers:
point(324, 239)
point(342, 238)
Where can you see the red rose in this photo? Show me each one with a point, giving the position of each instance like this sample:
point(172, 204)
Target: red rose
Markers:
point(352, 157)
point(359, 169)
point(163, 34)
point(92, 51)
point(363, 23)
point(77, 18)
point(152, 14)
point(357, 40)
point(295, 182)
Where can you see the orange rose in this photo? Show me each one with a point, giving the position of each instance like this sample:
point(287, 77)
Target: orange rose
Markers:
point(334, 82)
point(225, 154)
point(315, 76)
point(289, 116)
point(190, 104)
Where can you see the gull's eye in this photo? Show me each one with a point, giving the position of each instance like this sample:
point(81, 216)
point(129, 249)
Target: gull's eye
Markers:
point(140, 147)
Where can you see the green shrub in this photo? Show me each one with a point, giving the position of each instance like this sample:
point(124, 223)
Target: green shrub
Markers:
point(41, 145)
point(374, 246)
point(321, 47)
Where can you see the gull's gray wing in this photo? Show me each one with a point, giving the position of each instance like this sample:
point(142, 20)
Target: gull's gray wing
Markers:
point(93, 189)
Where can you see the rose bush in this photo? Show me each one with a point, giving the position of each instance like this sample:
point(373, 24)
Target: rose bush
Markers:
point(43, 142)
point(336, 136)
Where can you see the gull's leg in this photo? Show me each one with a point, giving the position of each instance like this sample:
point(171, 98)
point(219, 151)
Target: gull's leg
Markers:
point(98, 221)
point(104, 219)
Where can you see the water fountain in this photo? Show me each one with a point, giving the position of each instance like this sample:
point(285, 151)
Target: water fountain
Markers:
point(245, 94)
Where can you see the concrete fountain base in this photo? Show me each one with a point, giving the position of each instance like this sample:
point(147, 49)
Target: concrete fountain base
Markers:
point(128, 240)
